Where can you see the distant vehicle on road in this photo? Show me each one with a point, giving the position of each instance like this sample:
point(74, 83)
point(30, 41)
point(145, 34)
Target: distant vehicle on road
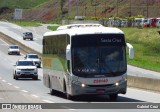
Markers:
point(27, 35)
point(153, 22)
point(35, 58)
point(158, 24)
point(13, 49)
point(124, 23)
point(25, 69)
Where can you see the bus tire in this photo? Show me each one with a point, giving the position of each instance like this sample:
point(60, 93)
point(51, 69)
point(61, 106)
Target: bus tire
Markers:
point(51, 90)
point(68, 96)
point(113, 97)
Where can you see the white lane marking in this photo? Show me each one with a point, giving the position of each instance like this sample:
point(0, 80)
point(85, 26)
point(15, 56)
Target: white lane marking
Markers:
point(72, 109)
point(35, 96)
point(35, 39)
point(16, 87)
point(4, 42)
point(9, 83)
point(48, 101)
point(24, 91)
point(1, 98)
point(4, 80)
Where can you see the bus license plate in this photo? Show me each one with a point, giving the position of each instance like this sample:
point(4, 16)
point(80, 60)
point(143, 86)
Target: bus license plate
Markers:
point(100, 91)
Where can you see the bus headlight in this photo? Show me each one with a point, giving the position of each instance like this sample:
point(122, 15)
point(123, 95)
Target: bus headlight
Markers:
point(120, 82)
point(77, 83)
point(83, 85)
point(117, 84)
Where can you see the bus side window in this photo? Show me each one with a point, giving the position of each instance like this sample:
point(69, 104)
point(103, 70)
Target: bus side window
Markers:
point(68, 65)
point(43, 42)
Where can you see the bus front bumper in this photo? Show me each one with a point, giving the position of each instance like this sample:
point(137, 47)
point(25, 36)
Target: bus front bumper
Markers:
point(82, 89)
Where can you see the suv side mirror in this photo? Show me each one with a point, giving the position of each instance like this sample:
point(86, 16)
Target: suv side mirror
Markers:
point(131, 50)
point(68, 52)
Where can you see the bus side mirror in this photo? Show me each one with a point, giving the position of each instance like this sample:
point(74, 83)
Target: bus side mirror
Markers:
point(68, 52)
point(131, 50)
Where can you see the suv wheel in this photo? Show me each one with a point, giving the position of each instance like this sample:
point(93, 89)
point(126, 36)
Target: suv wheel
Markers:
point(13, 76)
point(39, 66)
point(16, 77)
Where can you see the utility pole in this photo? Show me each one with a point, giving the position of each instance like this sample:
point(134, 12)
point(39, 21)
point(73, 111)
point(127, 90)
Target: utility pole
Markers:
point(77, 5)
point(147, 8)
point(117, 8)
point(85, 10)
point(68, 8)
point(105, 9)
point(95, 8)
point(130, 8)
point(95, 11)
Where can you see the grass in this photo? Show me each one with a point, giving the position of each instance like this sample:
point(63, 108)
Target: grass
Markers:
point(146, 43)
point(25, 23)
point(24, 4)
point(53, 27)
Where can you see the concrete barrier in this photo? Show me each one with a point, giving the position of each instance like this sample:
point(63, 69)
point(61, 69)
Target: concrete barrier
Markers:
point(144, 83)
point(133, 81)
point(23, 48)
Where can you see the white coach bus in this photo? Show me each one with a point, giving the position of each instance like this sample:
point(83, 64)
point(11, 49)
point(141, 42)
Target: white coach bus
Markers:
point(86, 61)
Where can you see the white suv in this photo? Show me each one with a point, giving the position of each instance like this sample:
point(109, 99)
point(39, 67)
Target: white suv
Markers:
point(35, 58)
point(25, 69)
point(13, 49)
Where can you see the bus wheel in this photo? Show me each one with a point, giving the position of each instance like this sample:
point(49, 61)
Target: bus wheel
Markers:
point(69, 97)
point(113, 97)
point(52, 91)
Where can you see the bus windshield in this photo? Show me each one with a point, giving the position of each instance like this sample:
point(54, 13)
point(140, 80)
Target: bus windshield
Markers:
point(101, 59)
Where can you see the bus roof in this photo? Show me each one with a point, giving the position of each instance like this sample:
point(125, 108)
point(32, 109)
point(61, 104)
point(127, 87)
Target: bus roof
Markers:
point(71, 26)
point(86, 30)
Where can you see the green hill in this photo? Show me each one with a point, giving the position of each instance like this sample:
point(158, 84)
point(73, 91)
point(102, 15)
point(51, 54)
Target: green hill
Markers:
point(50, 9)
point(21, 3)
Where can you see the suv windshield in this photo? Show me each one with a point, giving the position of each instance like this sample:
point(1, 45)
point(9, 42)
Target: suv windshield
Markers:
point(25, 63)
point(13, 47)
point(28, 33)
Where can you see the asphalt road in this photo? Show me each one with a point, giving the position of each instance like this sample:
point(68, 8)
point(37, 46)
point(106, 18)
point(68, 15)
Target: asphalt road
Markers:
point(31, 91)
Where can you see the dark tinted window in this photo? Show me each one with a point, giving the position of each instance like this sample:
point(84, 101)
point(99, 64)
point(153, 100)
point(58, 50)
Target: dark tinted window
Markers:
point(13, 47)
point(100, 54)
point(25, 63)
point(32, 56)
